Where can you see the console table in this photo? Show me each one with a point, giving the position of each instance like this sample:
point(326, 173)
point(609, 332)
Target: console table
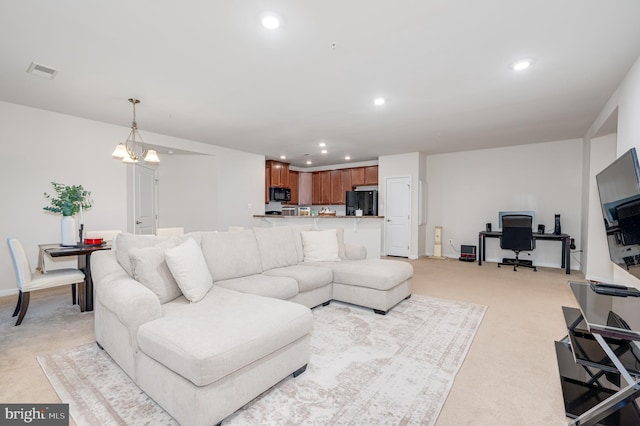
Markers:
point(563, 238)
point(599, 359)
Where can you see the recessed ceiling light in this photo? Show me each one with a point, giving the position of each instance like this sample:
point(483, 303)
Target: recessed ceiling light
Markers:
point(170, 152)
point(379, 101)
point(347, 158)
point(270, 21)
point(324, 151)
point(322, 144)
point(521, 65)
point(309, 162)
point(283, 157)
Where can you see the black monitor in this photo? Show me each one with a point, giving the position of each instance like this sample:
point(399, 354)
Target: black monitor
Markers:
point(619, 190)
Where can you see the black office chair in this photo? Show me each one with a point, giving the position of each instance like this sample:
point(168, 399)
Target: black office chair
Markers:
point(517, 235)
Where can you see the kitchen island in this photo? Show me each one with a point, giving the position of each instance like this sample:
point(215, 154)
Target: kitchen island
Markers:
point(361, 230)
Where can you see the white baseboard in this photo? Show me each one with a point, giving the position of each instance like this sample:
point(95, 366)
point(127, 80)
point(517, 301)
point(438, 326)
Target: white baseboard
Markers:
point(9, 292)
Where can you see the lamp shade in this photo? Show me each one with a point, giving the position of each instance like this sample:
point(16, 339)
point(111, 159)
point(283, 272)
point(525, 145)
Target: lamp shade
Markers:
point(152, 156)
point(120, 152)
point(128, 159)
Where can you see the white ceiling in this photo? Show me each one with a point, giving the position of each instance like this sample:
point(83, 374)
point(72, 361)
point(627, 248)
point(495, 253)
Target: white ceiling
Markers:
point(207, 71)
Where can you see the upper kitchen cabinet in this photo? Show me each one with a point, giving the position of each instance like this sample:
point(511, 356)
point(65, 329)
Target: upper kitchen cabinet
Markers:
point(371, 175)
point(347, 185)
point(340, 184)
point(364, 175)
point(321, 182)
point(294, 184)
point(278, 173)
point(336, 187)
point(357, 176)
point(267, 183)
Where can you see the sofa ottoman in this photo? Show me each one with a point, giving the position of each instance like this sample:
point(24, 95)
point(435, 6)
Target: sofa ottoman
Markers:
point(379, 284)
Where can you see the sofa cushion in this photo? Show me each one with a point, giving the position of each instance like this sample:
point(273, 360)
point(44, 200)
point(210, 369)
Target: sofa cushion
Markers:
point(277, 247)
point(297, 239)
point(125, 242)
point(379, 274)
point(231, 254)
point(307, 277)
point(149, 267)
point(320, 246)
point(189, 268)
point(270, 286)
point(225, 332)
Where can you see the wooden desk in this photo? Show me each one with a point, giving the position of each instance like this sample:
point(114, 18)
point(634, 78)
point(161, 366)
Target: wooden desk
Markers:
point(563, 238)
point(84, 264)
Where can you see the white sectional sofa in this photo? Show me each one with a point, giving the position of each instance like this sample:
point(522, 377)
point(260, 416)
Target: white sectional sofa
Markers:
point(204, 352)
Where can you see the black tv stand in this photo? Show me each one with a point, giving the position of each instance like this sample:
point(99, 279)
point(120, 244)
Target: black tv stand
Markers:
point(599, 359)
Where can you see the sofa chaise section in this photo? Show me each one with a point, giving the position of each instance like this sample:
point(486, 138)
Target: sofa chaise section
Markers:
point(211, 346)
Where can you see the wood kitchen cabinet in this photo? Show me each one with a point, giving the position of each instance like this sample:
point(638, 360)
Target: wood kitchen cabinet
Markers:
point(316, 188)
point(371, 175)
point(321, 182)
point(279, 173)
point(340, 184)
point(295, 187)
point(357, 176)
point(325, 179)
point(330, 186)
point(267, 183)
point(336, 186)
point(364, 175)
point(346, 185)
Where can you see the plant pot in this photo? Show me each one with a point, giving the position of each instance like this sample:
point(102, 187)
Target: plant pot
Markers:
point(68, 231)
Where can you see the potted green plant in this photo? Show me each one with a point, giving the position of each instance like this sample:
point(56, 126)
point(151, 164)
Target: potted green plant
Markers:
point(68, 200)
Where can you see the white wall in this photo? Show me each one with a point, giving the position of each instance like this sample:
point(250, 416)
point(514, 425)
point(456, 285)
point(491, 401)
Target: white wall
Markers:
point(597, 264)
point(402, 165)
point(180, 177)
point(423, 199)
point(628, 96)
point(240, 189)
point(468, 189)
point(40, 146)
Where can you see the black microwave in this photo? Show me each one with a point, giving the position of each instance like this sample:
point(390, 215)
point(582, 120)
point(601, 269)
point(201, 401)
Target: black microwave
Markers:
point(279, 194)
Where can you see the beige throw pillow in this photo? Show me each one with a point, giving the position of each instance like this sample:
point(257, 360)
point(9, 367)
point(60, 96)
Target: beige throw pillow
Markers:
point(320, 246)
point(148, 266)
point(188, 266)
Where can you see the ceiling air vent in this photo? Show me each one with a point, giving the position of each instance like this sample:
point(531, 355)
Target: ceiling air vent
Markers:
point(42, 71)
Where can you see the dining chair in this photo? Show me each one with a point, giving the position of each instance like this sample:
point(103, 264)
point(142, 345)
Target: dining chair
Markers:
point(28, 281)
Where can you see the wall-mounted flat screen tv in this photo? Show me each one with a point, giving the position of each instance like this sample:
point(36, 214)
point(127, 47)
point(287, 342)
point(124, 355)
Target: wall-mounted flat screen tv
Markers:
point(619, 189)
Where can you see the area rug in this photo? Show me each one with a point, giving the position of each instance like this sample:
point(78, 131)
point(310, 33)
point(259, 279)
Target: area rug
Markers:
point(364, 369)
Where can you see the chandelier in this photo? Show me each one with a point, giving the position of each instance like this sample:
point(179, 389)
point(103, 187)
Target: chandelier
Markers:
point(133, 148)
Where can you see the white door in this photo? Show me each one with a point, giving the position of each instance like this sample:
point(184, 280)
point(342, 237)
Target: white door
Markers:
point(145, 184)
point(397, 215)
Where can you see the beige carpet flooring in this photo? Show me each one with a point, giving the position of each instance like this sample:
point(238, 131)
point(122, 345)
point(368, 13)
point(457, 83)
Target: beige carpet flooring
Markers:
point(509, 375)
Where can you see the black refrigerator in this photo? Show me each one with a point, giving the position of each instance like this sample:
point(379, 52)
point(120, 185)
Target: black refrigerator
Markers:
point(367, 201)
